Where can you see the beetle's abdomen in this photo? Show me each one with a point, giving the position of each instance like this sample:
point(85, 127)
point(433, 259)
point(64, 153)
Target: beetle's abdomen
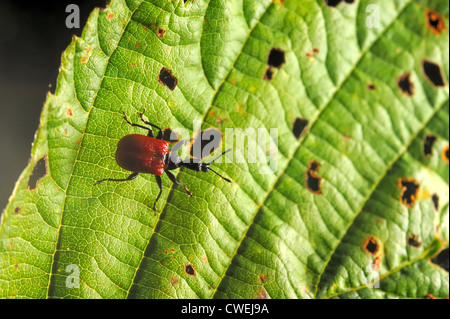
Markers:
point(142, 154)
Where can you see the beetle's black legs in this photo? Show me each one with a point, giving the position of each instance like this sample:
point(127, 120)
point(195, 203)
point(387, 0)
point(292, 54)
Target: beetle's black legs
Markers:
point(174, 180)
point(160, 133)
point(150, 131)
point(129, 178)
point(160, 185)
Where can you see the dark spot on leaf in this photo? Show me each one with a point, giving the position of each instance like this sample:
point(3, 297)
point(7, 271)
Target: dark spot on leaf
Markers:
point(276, 58)
point(433, 73)
point(371, 87)
point(413, 241)
point(410, 187)
point(69, 112)
point(299, 127)
point(268, 75)
point(442, 259)
point(371, 245)
point(334, 3)
point(435, 199)
point(316, 50)
point(190, 270)
point(170, 136)
point(313, 181)
point(160, 32)
point(17, 210)
point(39, 171)
point(262, 278)
point(435, 22)
point(428, 145)
point(444, 154)
point(205, 143)
point(405, 84)
point(166, 78)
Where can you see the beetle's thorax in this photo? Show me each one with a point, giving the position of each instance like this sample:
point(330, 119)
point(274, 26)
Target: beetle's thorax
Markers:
point(172, 161)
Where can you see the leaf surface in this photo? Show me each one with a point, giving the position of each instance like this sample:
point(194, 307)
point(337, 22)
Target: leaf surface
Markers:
point(268, 234)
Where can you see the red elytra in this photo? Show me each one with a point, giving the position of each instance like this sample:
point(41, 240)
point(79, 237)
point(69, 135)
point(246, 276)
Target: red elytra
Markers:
point(142, 154)
point(149, 155)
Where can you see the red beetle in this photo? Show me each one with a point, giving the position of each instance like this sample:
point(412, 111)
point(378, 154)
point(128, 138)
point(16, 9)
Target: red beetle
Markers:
point(149, 155)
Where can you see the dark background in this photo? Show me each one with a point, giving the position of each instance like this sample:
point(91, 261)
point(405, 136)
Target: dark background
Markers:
point(33, 35)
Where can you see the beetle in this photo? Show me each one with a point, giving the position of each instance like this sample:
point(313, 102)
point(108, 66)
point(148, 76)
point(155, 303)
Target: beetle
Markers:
point(148, 154)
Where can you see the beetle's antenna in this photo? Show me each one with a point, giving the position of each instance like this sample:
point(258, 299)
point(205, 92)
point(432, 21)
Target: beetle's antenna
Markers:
point(226, 179)
point(219, 157)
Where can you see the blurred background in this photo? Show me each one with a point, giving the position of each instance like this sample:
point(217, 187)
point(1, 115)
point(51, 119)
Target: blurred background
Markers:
point(33, 37)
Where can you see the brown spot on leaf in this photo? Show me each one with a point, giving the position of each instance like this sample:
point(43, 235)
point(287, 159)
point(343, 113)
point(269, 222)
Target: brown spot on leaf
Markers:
point(173, 281)
point(190, 270)
point(85, 57)
point(371, 245)
point(409, 190)
point(405, 84)
point(262, 278)
point(39, 171)
point(433, 73)
point(160, 33)
point(371, 87)
point(167, 79)
point(69, 112)
point(17, 210)
point(262, 294)
point(110, 16)
point(444, 154)
point(435, 22)
point(413, 241)
point(376, 263)
point(313, 181)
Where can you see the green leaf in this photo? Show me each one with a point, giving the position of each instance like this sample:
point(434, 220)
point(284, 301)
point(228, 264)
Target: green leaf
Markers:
point(266, 235)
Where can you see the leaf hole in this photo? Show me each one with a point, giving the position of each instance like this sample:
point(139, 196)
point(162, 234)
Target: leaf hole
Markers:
point(371, 245)
point(167, 79)
point(206, 143)
point(39, 171)
point(405, 84)
point(299, 127)
point(409, 190)
point(276, 58)
point(428, 144)
point(413, 241)
point(313, 181)
point(435, 22)
point(433, 73)
point(190, 270)
point(435, 199)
